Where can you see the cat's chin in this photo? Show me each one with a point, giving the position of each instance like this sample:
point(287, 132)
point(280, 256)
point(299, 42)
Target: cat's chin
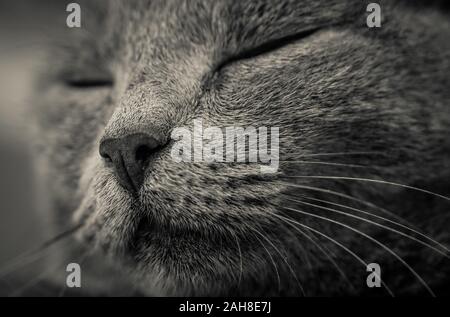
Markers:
point(170, 260)
point(170, 247)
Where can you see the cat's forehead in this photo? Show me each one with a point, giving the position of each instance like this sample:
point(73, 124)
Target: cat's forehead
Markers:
point(242, 15)
point(152, 37)
point(228, 23)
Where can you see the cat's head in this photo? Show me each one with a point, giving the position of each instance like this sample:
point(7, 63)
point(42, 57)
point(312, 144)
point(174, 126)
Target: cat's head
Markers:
point(348, 101)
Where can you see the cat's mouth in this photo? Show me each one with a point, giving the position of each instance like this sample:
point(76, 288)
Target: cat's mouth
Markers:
point(150, 234)
point(175, 224)
point(148, 231)
point(135, 234)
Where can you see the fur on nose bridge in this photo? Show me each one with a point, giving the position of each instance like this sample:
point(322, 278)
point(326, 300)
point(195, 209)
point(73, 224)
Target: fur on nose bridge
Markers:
point(143, 118)
point(131, 139)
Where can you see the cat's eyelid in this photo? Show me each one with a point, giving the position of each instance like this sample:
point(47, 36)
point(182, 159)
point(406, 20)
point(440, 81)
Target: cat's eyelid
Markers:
point(89, 83)
point(269, 46)
point(87, 77)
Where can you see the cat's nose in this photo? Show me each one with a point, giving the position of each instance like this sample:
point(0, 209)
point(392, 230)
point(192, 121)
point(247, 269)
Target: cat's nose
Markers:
point(130, 157)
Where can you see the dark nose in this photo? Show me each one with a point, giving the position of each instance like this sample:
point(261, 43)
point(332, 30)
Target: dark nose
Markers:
point(130, 157)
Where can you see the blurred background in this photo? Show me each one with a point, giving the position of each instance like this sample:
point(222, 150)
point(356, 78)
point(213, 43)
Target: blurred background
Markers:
point(27, 27)
point(24, 28)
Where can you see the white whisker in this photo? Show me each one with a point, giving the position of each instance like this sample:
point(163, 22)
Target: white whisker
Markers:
point(325, 252)
point(372, 181)
point(240, 260)
point(328, 191)
point(272, 260)
point(371, 222)
point(371, 239)
point(284, 260)
point(337, 154)
point(324, 163)
point(354, 255)
point(381, 218)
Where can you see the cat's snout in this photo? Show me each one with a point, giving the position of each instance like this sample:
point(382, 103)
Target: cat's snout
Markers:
point(129, 156)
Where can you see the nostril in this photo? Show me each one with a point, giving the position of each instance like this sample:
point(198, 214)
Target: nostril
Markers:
point(103, 151)
point(143, 153)
point(130, 156)
point(107, 158)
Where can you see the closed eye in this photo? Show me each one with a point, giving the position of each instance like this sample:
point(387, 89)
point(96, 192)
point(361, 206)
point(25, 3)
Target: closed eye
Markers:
point(269, 46)
point(85, 83)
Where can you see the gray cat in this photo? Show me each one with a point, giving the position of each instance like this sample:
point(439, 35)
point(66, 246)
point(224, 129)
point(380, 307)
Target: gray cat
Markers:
point(364, 125)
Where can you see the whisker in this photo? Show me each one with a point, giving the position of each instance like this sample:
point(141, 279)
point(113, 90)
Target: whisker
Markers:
point(33, 282)
point(304, 252)
point(353, 254)
point(372, 181)
point(240, 260)
point(31, 256)
point(30, 283)
point(332, 256)
point(307, 257)
point(325, 252)
point(371, 222)
point(371, 239)
point(338, 154)
point(381, 218)
point(335, 193)
point(273, 262)
point(325, 163)
point(285, 261)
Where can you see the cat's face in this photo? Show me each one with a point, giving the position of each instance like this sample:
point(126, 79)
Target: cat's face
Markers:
point(311, 68)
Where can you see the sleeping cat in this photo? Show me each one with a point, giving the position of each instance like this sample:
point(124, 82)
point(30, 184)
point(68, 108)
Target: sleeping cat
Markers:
point(364, 122)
